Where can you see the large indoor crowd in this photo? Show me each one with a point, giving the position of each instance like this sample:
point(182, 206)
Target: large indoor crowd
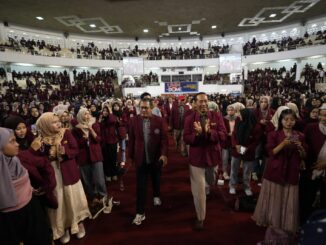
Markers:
point(60, 152)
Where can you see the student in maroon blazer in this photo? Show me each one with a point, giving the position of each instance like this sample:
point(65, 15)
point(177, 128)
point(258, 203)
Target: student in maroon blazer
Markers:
point(90, 160)
point(278, 202)
point(203, 131)
point(148, 144)
point(263, 116)
point(245, 138)
point(110, 139)
point(178, 113)
point(310, 183)
point(39, 169)
point(168, 108)
point(59, 146)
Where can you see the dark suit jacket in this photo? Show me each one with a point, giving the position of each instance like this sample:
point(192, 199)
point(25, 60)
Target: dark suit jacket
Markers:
point(158, 141)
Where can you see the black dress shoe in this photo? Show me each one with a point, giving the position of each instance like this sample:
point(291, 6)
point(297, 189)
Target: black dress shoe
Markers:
point(199, 225)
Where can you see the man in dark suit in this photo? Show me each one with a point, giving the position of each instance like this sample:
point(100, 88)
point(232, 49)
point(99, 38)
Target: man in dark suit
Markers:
point(148, 152)
point(204, 131)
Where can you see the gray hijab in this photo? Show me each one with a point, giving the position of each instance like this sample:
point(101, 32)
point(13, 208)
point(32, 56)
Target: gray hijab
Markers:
point(10, 169)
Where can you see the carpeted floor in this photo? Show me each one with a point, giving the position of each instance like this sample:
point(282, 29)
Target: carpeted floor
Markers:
point(172, 223)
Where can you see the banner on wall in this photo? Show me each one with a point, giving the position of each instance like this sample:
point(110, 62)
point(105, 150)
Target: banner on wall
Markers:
point(181, 87)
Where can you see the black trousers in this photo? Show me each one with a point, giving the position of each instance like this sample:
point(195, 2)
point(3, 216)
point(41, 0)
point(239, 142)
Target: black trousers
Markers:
point(28, 225)
point(307, 194)
point(110, 159)
point(142, 173)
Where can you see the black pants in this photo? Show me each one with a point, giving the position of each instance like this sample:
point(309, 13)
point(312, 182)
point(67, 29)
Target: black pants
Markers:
point(110, 159)
point(307, 194)
point(28, 225)
point(142, 174)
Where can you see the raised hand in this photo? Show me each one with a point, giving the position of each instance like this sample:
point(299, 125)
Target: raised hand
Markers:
point(198, 128)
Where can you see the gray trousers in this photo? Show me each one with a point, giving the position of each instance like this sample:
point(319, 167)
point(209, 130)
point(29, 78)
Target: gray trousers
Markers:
point(93, 180)
point(225, 158)
point(198, 178)
point(247, 168)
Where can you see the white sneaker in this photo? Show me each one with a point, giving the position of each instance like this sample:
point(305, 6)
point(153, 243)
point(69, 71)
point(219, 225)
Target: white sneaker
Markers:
point(115, 178)
point(108, 204)
point(138, 219)
point(254, 176)
point(248, 192)
point(157, 201)
point(108, 179)
point(226, 176)
point(232, 191)
point(65, 238)
point(81, 232)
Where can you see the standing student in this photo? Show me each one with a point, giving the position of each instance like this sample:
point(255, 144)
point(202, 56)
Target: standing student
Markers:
point(278, 202)
point(90, 160)
point(148, 152)
point(21, 216)
point(203, 132)
point(59, 146)
point(245, 138)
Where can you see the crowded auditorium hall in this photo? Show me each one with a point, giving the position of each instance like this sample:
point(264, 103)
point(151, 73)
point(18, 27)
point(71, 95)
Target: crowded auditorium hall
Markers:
point(163, 122)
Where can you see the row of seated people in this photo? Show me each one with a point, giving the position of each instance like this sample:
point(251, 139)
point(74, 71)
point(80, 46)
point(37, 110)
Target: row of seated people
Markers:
point(142, 81)
point(91, 51)
point(221, 79)
point(287, 43)
point(282, 80)
point(48, 85)
point(33, 47)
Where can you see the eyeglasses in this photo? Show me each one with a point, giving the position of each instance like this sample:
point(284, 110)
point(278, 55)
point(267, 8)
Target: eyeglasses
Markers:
point(144, 108)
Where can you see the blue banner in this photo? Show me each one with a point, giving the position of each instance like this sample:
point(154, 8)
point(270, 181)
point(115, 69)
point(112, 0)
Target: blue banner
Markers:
point(181, 87)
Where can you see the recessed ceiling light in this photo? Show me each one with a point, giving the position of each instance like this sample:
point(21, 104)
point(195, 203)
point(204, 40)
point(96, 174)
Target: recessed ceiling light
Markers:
point(92, 25)
point(145, 30)
point(179, 28)
point(272, 15)
point(39, 18)
point(214, 27)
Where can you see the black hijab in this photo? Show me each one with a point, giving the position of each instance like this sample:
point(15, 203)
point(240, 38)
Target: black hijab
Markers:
point(12, 123)
point(245, 126)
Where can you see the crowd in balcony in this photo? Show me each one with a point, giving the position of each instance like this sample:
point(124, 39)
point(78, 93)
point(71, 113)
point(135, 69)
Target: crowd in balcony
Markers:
point(278, 81)
point(286, 43)
point(150, 79)
point(55, 86)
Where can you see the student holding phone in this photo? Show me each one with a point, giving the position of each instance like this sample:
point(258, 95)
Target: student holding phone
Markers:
point(278, 203)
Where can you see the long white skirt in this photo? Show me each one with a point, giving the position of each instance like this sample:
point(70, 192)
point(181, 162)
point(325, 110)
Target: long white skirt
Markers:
point(72, 206)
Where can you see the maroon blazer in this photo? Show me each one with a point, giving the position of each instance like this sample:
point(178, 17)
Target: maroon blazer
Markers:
point(109, 130)
point(251, 144)
point(205, 150)
point(68, 166)
point(284, 167)
point(158, 141)
point(228, 142)
point(174, 117)
point(41, 174)
point(89, 149)
point(315, 141)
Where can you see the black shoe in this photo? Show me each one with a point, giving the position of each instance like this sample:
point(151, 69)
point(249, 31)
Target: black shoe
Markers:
point(199, 225)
